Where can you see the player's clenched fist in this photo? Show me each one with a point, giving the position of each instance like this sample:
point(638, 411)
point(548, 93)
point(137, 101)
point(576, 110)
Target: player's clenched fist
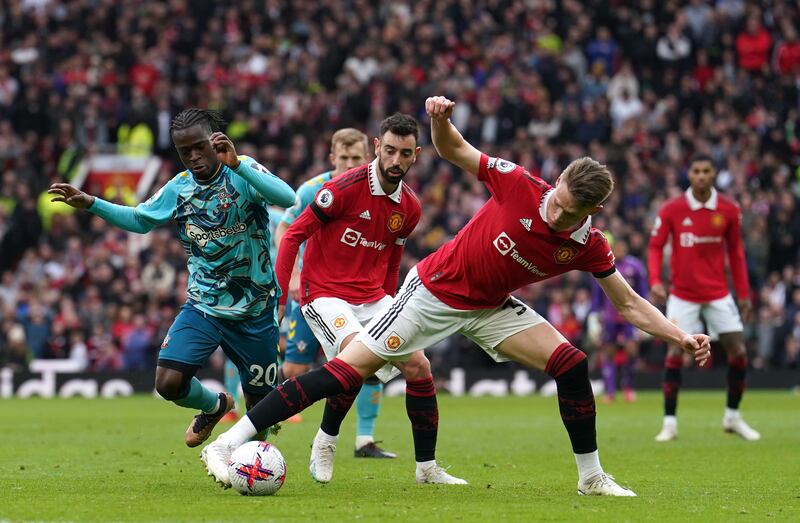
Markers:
point(699, 346)
point(226, 152)
point(439, 107)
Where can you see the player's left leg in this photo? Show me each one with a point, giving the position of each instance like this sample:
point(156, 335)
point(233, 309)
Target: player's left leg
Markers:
point(516, 332)
point(232, 387)
point(191, 339)
point(339, 375)
point(722, 317)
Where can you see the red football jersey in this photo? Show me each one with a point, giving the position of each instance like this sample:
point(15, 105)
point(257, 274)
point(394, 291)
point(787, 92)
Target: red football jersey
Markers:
point(701, 234)
point(354, 234)
point(508, 244)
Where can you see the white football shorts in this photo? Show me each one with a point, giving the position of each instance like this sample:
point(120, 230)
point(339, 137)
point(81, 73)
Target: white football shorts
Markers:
point(417, 319)
point(333, 319)
point(721, 316)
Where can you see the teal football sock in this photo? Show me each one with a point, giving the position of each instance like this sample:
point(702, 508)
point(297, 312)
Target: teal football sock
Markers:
point(199, 397)
point(368, 403)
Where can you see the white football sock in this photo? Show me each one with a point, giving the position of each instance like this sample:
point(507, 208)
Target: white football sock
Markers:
point(422, 465)
point(363, 440)
point(731, 413)
point(241, 432)
point(588, 465)
point(324, 437)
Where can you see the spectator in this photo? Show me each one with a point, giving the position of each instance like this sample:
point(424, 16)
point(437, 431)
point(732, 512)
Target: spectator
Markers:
point(753, 45)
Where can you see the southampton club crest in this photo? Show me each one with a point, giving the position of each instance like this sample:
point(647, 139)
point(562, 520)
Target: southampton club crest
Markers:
point(225, 200)
point(396, 221)
point(565, 253)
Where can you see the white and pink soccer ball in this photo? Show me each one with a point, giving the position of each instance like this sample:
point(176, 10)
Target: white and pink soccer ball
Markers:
point(257, 468)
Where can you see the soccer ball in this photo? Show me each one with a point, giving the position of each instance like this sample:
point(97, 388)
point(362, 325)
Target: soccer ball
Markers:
point(257, 468)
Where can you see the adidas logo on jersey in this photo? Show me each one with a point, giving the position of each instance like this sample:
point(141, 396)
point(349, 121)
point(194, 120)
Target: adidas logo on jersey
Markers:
point(526, 222)
point(687, 222)
point(365, 215)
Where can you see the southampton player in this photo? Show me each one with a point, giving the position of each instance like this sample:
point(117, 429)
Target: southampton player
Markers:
point(704, 226)
point(220, 205)
point(349, 148)
point(354, 231)
point(527, 232)
point(619, 347)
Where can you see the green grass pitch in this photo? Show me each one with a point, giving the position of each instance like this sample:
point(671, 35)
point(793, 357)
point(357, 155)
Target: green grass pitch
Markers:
point(124, 460)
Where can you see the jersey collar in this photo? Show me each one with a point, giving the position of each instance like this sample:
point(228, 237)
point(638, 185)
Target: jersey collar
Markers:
point(696, 205)
point(580, 235)
point(375, 185)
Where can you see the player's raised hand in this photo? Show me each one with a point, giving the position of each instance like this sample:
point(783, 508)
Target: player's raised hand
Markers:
point(439, 107)
point(226, 152)
point(68, 194)
point(658, 295)
point(699, 346)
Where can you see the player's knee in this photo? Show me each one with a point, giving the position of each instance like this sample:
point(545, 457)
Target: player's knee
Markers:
point(170, 386)
point(417, 368)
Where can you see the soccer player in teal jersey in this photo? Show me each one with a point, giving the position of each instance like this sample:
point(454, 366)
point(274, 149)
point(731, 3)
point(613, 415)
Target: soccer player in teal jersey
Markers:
point(220, 206)
point(349, 148)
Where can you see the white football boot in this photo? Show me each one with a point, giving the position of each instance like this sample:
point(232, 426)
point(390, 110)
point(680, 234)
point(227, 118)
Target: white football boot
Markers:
point(434, 473)
point(669, 430)
point(736, 425)
point(217, 456)
point(323, 451)
point(603, 485)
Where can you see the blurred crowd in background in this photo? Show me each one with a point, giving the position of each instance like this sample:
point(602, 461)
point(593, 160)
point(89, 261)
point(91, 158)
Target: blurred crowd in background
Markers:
point(638, 85)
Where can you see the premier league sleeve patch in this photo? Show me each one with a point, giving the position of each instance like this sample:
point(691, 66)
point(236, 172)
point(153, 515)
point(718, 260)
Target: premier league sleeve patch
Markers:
point(324, 198)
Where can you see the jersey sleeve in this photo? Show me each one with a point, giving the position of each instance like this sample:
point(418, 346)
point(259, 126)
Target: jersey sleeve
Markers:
point(305, 195)
point(733, 242)
point(655, 250)
point(156, 210)
point(599, 260)
point(262, 186)
point(328, 203)
point(301, 230)
point(500, 176)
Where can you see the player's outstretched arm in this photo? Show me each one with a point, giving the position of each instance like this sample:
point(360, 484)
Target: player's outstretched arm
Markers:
point(445, 137)
point(120, 216)
point(645, 316)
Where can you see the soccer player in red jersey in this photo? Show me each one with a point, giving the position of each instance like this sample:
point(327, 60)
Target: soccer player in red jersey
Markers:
point(704, 226)
point(354, 231)
point(527, 232)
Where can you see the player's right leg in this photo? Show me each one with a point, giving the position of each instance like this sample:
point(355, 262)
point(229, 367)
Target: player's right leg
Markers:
point(686, 315)
point(342, 374)
point(189, 342)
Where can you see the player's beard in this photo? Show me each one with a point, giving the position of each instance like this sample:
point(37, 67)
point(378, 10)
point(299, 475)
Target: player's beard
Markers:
point(392, 177)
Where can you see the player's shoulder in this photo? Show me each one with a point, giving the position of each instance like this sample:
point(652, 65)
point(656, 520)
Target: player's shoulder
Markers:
point(349, 181)
point(596, 237)
point(411, 196)
point(315, 182)
point(727, 204)
point(675, 203)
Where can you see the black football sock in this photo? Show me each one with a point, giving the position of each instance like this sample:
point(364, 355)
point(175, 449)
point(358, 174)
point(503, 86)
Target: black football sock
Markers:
point(336, 408)
point(570, 368)
point(295, 394)
point(672, 383)
point(423, 412)
point(737, 369)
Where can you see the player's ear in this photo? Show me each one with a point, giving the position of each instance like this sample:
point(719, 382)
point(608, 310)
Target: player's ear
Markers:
point(377, 143)
point(416, 153)
point(332, 158)
point(596, 210)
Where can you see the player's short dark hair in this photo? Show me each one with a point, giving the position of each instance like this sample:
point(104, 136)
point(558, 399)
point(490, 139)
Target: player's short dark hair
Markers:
point(212, 120)
point(701, 157)
point(589, 181)
point(401, 125)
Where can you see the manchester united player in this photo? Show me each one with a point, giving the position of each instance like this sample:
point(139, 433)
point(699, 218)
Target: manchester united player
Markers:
point(704, 226)
point(354, 231)
point(527, 232)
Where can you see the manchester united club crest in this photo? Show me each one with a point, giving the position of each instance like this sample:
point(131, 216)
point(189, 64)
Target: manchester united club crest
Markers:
point(339, 322)
point(396, 221)
point(225, 201)
point(565, 253)
point(717, 220)
point(393, 341)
